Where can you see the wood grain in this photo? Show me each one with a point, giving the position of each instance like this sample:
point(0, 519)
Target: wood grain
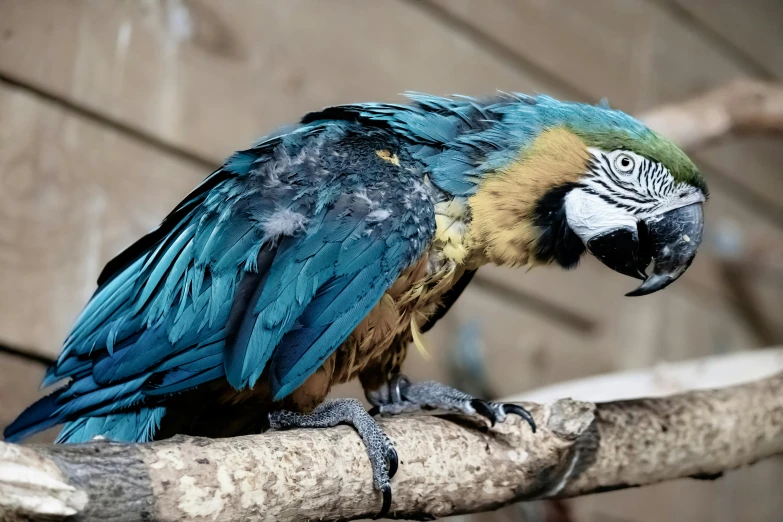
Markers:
point(213, 76)
point(738, 495)
point(19, 380)
point(752, 26)
point(72, 195)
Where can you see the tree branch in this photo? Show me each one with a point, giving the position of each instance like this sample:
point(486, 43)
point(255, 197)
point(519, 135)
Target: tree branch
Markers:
point(664, 379)
point(448, 465)
point(743, 105)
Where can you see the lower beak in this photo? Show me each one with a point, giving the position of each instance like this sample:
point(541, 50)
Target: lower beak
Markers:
point(669, 240)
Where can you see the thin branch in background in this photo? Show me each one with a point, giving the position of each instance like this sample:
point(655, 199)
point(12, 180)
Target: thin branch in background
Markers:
point(26, 353)
point(741, 106)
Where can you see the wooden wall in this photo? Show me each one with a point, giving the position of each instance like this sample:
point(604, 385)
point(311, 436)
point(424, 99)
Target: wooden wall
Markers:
point(111, 110)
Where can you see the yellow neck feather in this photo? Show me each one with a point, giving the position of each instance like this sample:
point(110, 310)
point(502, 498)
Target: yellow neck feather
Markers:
point(502, 210)
point(451, 232)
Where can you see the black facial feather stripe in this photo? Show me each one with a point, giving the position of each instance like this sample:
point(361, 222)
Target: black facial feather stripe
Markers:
point(641, 191)
point(621, 183)
point(628, 191)
point(610, 199)
point(558, 242)
point(645, 173)
point(617, 194)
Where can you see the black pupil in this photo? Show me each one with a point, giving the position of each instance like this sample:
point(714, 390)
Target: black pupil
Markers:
point(625, 162)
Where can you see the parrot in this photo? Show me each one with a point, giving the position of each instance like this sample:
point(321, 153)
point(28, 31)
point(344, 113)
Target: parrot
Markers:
point(320, 253)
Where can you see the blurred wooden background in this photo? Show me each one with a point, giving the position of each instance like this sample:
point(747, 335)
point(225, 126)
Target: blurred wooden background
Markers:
point(112, 110)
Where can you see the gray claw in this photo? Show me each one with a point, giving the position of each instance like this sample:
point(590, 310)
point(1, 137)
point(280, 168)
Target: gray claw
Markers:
point(394, 461)
point(516, 409)
point(395, 388)
point(484, 409)
point(387, 499)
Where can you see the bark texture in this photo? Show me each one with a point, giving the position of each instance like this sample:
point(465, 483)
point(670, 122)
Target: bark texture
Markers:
point(449, 465)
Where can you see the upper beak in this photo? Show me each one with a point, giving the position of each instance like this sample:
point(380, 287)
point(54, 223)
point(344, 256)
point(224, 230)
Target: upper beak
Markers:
point(669, 240)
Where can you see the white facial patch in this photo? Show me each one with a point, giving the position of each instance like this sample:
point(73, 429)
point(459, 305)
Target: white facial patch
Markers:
point(588, 215)
point(644, 188)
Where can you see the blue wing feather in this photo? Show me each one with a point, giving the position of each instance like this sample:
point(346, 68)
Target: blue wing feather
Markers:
point(168, 315)
point(132, 426)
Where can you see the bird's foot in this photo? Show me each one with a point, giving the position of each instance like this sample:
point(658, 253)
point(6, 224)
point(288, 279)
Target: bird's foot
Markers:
point(383, 456)
point(400, 395)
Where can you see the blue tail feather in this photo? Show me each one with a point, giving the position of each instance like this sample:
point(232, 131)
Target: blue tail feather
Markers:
point(132, 426)
point(37, 417)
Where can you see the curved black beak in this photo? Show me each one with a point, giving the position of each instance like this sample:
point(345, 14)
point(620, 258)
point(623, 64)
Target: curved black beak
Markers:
point(669, 241)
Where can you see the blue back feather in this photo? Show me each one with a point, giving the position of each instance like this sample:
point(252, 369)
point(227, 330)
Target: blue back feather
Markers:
point(157, 324)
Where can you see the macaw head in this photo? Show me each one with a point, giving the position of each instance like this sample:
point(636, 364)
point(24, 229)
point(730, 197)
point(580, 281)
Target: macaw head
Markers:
point(582, 178)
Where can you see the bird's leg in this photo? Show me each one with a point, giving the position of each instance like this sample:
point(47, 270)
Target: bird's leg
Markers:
point(399, 395)
point(383, 456)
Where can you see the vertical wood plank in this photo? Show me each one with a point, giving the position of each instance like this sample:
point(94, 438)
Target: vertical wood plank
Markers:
point(72, 195)
point(755, 27)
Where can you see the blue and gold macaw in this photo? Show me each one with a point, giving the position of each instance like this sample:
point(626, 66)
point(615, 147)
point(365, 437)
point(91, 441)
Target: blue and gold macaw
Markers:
point(317, 255)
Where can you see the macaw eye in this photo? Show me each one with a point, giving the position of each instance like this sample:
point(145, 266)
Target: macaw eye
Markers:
point(624, 163)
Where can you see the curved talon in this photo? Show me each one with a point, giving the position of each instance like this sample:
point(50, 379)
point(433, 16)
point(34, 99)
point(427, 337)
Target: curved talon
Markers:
point(483, 409)
point(393, 460)
point(387, 498)
point(522, 412)
point(395, 393)
point(375, 410)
